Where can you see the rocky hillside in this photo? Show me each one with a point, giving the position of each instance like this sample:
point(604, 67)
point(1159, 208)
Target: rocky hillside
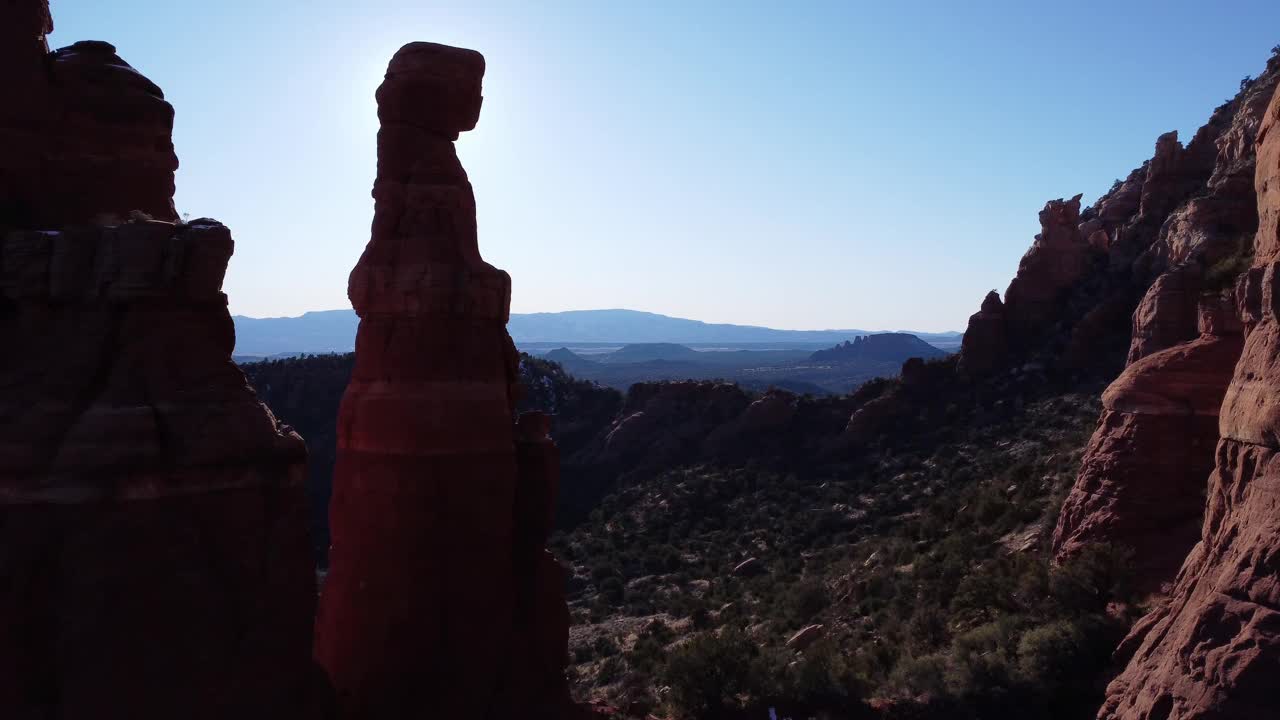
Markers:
point(1158, 278)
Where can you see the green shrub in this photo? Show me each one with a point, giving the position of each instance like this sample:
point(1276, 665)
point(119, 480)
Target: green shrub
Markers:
point(924, 675)
point(611, 670)
point(820, 677)
point(927, 628)
point(709, 675)
point(1094, 577)
point(1052, 657)
point(604, 647)
point(1223, 273)
point(808, 598)
point(981, 660)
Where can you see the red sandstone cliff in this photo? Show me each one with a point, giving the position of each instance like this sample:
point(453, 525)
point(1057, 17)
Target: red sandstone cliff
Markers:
point(84, 136)
point(153, 551)
point(440, 599)
point(1142, 480)
point(1212, 648)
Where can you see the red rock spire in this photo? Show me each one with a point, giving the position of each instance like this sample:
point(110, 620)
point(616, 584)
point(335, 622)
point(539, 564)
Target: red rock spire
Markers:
point(439, 600)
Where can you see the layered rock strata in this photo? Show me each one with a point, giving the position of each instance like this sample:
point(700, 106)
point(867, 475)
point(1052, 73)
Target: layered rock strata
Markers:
point(89, 141)
point(153, 550)
point(440, 599)
point(1089, 295)
point(1212, 648)
point(1142, 481)
point(154, 559)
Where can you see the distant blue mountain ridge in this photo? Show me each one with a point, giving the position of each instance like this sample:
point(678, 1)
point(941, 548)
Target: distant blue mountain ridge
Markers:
point(335, 331)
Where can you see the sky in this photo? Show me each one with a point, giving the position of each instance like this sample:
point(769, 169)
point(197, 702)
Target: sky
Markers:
point(806, 165)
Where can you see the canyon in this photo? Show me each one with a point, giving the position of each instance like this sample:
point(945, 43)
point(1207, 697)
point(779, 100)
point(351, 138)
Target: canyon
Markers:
point(895, 551)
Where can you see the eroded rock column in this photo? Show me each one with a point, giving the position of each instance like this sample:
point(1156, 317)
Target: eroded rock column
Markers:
point(432, 602)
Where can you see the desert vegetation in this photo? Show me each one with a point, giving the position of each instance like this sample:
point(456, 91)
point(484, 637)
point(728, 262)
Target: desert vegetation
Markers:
point(920, 573)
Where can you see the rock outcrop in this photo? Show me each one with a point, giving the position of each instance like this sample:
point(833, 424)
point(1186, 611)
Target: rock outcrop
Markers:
point(1142, 480)
point(1054, 263)
point(153, 548)
point(440, 600)
point(1071, 306)
point(1211, 649)
point(985, 344)
point(664, 423)
point(86, 138)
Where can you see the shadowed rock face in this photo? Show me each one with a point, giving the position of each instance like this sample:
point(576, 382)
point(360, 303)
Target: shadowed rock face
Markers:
point(153, 551)
point(440, 599)
point(985, 344)
point(1212, 648)
point(84, 138)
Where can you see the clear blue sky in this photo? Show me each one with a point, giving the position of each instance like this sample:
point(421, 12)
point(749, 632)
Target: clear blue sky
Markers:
point(801, 165)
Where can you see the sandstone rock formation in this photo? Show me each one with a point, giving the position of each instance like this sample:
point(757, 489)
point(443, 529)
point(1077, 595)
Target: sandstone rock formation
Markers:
point(1054, 263)
point(90, 140)
point(1141, 483)
point(440, 600)
point(1070, 307)
point(1212, 648)
point(985, 344)
point(153, 550)
point(153, 556)
point(1141, 480)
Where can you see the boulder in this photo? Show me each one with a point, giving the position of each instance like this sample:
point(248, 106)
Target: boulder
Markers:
point(805, 637)
point(749, 567)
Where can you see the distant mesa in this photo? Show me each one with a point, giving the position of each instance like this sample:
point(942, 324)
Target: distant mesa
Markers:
point(568, 359)
point(886, 347)
point(757, 367)
point(335, 331)
point(649, 352)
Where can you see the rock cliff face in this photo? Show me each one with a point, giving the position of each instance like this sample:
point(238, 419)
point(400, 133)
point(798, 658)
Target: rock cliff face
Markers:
point(1142, 478)
point(86, 137)
point(153, 551)
point(440, 599)
point(1147, 245)
point(1141, 483)
point(1211, 649)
